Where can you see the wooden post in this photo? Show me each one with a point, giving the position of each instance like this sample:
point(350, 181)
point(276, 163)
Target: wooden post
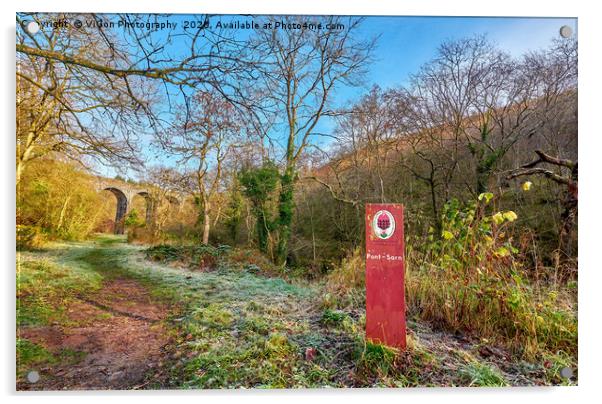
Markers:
point(385, 263)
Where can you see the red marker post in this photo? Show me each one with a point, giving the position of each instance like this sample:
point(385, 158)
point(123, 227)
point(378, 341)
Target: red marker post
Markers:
point(385, 294)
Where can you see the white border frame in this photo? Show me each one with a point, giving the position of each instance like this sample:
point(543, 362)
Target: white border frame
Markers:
point(589, 148)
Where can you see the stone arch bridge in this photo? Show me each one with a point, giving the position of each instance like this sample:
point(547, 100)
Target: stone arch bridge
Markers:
point(124, 193)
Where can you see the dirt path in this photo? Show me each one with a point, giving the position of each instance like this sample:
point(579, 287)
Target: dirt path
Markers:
point(117, 341)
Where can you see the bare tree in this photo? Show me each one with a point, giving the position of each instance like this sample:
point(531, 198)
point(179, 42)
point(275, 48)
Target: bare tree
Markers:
point(202, 138)
point(61, 110)
point(431, 146)
point(553, 75)
point(165, 197)
point(93, 90)
point(304, 65)
point(472, 94)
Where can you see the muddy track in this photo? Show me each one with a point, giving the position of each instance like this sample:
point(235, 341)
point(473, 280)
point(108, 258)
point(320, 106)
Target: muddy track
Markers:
point(116, 339)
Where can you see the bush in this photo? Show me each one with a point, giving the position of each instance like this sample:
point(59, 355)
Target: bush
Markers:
point(252, 261)
point(142, 235)
point(132, 219)
point(62, 200)
point(202, 257)
point(29, 238)
point(163, 253)
point(469, 278)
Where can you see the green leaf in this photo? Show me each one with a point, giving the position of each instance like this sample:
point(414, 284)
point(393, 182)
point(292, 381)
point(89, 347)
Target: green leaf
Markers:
point(498, 218)
point(487, 196)
point(502, 252)
point(510, 216)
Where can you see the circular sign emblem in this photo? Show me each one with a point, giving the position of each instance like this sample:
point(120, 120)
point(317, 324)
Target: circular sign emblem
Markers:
point(383, 224)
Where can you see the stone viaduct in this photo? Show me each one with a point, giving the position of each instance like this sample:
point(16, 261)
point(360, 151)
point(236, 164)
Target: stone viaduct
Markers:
point(124, 193)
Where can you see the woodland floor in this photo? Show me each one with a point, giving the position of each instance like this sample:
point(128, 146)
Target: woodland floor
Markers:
point(99, 315)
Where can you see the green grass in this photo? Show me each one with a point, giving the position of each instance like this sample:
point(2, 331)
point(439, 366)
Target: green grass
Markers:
point(528, 321)
point(376, 359)
point(333, 318)
point(553, 363)
point(44, 290)
point(32, 356)
point(481, 375)
point(194, 256)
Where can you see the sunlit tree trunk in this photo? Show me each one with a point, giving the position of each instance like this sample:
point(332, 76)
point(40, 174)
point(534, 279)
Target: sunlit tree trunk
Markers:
point(206, 222)
point(62, 214)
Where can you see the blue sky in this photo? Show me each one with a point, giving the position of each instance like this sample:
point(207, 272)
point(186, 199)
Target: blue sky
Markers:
point(408, 42)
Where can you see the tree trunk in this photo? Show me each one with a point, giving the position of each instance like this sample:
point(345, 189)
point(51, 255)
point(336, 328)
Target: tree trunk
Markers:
point(62, 214)
point(568, 218)
point(20, 168)
point(286, 207)
point(262, 231)
point(206, 222)
point(570, 202)
point(24, 155)
point(434, 204)
point(569, 215)
point(482, 173)
point(485, 168)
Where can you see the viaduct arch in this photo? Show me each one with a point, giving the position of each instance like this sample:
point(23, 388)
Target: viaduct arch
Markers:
point(124, 193)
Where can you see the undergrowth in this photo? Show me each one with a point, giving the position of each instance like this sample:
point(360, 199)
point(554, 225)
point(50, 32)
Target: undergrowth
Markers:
point(472, 279)
point(203, 257)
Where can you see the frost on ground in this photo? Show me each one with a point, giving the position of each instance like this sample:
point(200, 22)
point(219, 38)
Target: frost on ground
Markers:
point(99, 315)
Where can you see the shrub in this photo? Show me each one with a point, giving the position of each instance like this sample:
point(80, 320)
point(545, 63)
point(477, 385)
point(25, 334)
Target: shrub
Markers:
point(29, 238)
point(62, 200)
point(202, 257)
point(468, 278)
point(164, 253)
point(252, 261)
point(142, 235)
point(349, 274)
point(132, 219)
point(252, 269)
